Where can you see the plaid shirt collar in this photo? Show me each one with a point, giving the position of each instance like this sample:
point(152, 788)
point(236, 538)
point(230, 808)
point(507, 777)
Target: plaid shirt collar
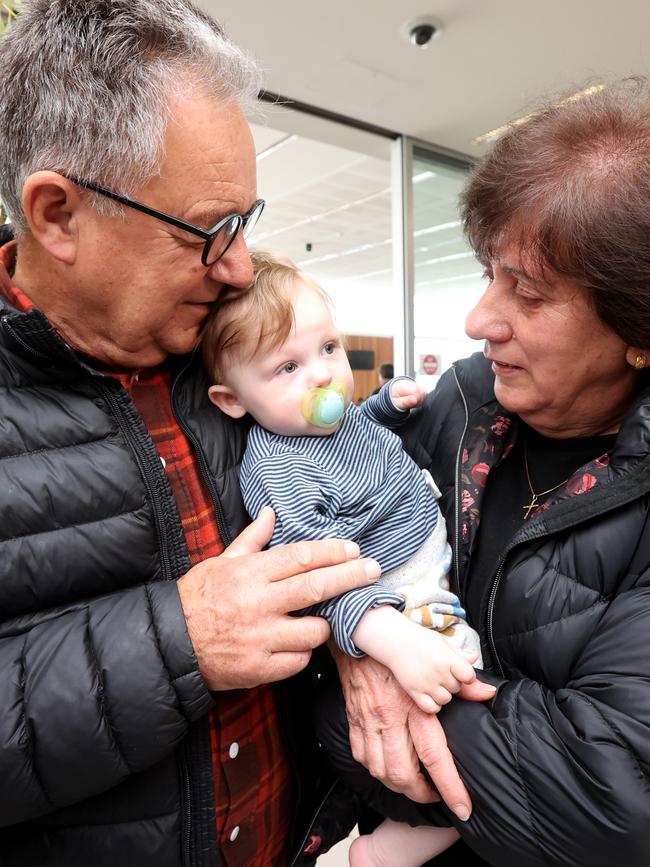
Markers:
point(15, 296)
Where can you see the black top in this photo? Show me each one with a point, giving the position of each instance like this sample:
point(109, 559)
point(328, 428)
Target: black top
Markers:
point(551, 462)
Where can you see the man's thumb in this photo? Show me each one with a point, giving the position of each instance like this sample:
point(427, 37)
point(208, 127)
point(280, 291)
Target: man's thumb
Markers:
point(255, 537)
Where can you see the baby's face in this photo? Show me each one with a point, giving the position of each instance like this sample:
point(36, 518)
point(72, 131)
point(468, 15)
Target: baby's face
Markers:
point(272, 386)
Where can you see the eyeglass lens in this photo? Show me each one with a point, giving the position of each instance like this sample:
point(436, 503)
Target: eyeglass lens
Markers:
point(220, 243)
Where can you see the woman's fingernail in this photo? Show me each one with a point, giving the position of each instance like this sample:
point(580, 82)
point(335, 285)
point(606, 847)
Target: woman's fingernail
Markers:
point(351, 550)
point(462, 811)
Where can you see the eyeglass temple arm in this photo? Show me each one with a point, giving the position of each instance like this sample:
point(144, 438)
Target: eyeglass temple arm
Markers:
point(130, 203)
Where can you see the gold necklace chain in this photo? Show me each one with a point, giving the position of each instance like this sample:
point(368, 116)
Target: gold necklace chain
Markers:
point(534, 503)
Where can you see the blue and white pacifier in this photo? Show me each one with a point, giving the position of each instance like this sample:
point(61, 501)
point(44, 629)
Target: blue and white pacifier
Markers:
point(324, 407)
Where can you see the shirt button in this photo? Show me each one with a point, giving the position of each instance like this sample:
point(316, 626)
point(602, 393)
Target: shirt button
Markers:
point(233, 752)
point(163, 462)
point(234, 834)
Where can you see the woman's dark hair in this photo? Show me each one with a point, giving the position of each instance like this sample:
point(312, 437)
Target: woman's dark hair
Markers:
point(571, 187)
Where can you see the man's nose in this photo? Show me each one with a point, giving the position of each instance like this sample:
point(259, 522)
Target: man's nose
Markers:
point(488, 319)
point(235, 267)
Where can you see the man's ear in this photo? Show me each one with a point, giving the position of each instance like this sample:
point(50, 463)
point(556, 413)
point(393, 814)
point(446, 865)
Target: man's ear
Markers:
point(227, 401)
point(52, 204)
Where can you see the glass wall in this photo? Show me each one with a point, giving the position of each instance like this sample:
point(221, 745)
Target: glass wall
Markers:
point(447, 279)
point(374, 218)
point(329, 208)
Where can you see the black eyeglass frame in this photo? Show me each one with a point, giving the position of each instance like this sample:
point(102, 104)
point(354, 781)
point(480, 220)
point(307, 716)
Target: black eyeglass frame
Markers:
point(245, 222)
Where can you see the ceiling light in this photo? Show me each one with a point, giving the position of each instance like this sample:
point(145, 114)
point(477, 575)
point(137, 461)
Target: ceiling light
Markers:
point(271, 149)
point(494, 134)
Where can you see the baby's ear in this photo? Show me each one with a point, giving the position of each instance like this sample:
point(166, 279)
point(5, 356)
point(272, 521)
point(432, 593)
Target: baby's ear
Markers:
point(227, 401)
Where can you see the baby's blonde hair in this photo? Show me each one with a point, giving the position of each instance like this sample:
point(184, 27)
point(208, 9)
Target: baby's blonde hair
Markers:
point(257, 320)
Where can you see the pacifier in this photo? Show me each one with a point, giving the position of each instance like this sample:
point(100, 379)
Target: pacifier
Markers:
point(324, 407)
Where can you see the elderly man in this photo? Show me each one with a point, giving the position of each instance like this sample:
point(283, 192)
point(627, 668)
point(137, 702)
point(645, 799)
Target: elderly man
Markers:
point(140, 627)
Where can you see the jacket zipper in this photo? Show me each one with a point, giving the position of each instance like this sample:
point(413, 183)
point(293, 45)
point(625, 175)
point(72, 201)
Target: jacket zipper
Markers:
point(184, 761)
point(18, 339)
point(186, 828)
point(310, 824)
point(203, 464)
point(161, 531)
point(458, 498)
point(148, 476)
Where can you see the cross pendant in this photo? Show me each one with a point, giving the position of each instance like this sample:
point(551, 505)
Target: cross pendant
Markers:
point(530, 507)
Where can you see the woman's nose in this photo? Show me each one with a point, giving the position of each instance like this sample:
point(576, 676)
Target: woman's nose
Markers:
point(488, 319)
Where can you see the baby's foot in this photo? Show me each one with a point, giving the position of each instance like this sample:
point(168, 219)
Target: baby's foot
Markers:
point(363, 853)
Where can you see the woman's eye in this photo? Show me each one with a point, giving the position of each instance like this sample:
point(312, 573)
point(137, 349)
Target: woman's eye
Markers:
point(530, 300)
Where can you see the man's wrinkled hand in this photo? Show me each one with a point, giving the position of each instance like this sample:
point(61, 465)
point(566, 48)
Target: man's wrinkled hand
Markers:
point(237, 606)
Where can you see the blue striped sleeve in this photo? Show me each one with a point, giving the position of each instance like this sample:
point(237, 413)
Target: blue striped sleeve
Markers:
point(344, 612)
point(380, 409)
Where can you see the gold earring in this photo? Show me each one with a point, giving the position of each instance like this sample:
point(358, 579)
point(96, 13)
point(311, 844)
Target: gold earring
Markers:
point(640, 362)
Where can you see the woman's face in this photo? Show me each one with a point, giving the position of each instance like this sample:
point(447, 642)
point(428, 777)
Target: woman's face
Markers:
point(557, 365)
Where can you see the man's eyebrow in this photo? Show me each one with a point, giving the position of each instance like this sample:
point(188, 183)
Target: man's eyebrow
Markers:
point(208, 218)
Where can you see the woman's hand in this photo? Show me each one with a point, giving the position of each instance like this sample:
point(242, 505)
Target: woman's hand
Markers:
point(390, 735)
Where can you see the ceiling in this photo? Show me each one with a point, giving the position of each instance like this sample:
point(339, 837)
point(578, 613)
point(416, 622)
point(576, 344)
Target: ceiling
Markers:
point(492, 60)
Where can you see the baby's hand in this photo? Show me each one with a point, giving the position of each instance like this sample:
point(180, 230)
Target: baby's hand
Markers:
point(407, 394)
point(430, 669)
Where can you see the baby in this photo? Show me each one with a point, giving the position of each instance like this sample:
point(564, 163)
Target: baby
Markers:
point(331, 469)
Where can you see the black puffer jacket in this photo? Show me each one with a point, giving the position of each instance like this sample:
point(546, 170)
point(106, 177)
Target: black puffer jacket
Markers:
point(104, 749)
point(558, 763)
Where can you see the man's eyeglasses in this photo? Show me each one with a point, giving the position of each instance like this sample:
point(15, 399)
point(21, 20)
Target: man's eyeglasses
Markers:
point(217, 240)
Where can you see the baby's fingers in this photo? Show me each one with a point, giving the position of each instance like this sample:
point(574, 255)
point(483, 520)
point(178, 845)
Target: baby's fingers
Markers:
point(424, 701)
point(462, 671)
point(433, 700)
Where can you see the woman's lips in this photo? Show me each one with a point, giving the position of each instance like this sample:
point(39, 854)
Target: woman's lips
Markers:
point(500, 368)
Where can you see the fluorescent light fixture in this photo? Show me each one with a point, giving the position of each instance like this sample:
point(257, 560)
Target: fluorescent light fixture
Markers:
point(494, 134)
point(271, 149)
point(452, 257)
point(422, 176)
point(349, 252)
point(264, 236)
point(453, 224)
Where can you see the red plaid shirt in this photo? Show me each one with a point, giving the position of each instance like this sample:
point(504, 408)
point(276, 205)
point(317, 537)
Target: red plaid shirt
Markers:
point(251, 774)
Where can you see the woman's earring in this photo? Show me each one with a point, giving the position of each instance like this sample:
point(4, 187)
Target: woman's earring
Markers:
point(640, 362)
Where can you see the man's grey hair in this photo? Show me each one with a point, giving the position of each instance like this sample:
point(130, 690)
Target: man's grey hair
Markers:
point(87, 88)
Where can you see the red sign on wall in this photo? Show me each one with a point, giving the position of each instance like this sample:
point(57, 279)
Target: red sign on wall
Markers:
point(430, 364)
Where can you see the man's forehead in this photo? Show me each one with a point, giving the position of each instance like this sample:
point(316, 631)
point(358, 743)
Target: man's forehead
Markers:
point(209, 159)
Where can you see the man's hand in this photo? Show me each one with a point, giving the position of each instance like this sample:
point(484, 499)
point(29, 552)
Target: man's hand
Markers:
point(237, 605)
point(390, 735)
point(407, 394)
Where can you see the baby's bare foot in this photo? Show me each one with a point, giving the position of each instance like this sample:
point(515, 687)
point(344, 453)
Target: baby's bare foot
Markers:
point(362, 853)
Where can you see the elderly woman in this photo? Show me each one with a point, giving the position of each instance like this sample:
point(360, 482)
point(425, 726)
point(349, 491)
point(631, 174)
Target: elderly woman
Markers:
point(541, 447)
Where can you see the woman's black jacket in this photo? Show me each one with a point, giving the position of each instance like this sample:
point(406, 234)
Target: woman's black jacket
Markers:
point(104, 747)
point(558, 763)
